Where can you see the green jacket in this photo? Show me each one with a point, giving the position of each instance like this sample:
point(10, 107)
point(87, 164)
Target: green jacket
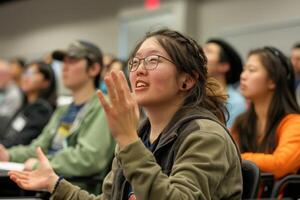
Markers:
point(206, 166)
point(88, 150)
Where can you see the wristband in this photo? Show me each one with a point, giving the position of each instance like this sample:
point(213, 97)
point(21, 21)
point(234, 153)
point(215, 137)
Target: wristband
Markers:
point(57, 183)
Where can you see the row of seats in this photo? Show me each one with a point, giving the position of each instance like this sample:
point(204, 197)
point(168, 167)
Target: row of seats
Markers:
point(254, 183)
point(263, 185)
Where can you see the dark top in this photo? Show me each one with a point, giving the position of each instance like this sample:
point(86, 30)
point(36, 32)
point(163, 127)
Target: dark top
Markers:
point(151, 147)
point(26, 125)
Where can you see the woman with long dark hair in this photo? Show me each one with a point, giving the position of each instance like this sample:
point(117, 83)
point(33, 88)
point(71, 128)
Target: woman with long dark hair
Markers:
point(181, 151)
point(39, 86)
point(269, 131)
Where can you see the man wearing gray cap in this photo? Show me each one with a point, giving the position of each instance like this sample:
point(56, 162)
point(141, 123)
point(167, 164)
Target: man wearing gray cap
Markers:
point(76, 139)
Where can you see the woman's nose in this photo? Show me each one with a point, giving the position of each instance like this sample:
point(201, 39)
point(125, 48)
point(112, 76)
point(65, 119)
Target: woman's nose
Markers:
point(141, 69)
point(243, 75)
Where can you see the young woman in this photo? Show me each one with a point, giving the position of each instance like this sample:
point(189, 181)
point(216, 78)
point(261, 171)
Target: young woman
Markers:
point(39, 86)
point(268, 133)
point(181, 151)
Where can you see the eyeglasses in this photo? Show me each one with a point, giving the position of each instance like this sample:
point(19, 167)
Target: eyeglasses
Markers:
point(150, 62)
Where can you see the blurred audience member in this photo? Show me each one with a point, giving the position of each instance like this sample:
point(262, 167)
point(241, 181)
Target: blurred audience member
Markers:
point(114, 65)
point(295, 59)
point(77, 138)
point(11, 97)
point(225, 65)
point(39, 86)
point(107, 58)
point(268, 132)
point(64, 94)
point(17, 67)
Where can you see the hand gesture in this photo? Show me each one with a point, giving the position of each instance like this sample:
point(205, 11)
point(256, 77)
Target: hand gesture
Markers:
point(4, 155)
point(30, 163)
point(42, 178)
point(121, 111)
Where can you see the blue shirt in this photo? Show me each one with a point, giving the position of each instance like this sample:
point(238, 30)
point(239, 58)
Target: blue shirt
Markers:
point(236, 104)
point(63, 130)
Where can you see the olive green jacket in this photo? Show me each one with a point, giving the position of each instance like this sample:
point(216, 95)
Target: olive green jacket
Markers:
point(206, 166)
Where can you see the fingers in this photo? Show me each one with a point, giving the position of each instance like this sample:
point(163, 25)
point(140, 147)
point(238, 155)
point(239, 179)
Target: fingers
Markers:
point(124, 84)
point(21, 183)
point(111, 91)
point(41, 156)
point(20, 178)
point(117, 88)
point(103, 101)
point(19, 175)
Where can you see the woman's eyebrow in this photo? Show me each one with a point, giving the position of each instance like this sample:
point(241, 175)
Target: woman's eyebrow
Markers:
point(146, 53)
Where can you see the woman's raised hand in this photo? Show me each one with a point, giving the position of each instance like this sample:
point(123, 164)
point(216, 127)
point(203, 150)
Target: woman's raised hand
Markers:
point(42, 178)
point(121, 110)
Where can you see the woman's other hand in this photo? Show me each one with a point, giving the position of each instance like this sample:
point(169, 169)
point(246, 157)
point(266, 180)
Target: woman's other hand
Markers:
point(42, 178)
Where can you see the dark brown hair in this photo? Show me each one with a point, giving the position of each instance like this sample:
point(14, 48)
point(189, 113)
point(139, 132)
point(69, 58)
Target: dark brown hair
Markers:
point(189, 57)
point(50, 93)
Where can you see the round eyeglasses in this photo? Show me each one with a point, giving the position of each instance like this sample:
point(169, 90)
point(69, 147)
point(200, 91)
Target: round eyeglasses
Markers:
point(150, 62)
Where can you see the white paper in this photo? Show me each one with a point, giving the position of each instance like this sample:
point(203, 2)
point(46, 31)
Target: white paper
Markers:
point(11, 166)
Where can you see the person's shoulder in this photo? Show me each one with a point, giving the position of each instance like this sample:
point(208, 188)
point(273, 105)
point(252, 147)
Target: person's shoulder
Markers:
point(216, 135)
point(290, 119)
point(289, 122)
point(61, 109)
point(94, 102)
point(40, 105)
point(234, 95)
point(211, 128)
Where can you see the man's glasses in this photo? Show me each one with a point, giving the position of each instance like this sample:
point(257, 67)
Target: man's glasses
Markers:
point(150, 62)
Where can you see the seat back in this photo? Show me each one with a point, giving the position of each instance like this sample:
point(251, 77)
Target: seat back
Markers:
point(288, 186)
point(251, 179)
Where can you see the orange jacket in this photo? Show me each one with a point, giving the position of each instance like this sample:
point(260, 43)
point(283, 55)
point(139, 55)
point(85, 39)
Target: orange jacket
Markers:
point(286, 157)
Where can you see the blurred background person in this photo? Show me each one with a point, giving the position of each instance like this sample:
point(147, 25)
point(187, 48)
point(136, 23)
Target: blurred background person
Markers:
point(225, 65)
point(268, 132)
point(17, 67)
point(63, 93)
point(11, 97)
point(112, 64)
point(76, 140)
point(39, 86)
point(295, 59)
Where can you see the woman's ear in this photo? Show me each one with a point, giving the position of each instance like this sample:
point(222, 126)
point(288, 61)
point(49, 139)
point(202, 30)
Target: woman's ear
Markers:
point(186, 82)
point(271, 85)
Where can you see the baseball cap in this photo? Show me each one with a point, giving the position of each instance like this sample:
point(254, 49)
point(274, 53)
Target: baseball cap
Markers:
point(80, 49)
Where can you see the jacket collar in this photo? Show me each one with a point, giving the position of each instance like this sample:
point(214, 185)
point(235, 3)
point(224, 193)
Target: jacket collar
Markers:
point(172, 130)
